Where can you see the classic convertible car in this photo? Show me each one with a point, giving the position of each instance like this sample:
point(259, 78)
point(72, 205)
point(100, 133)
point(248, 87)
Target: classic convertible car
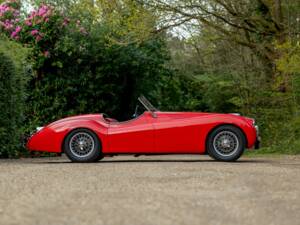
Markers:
point(88, 138)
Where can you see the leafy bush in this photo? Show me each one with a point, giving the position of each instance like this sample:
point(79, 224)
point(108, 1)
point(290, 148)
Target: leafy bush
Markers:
point(93, 77)
point(10, 107)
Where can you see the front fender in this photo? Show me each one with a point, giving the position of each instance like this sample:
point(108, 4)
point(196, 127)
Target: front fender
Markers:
point(51, 137)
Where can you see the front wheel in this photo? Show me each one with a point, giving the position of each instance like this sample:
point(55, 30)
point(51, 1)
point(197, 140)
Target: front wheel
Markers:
point(226, 143)
point(82, 145)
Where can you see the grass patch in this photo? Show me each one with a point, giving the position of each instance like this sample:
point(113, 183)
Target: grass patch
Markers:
point(293, 149)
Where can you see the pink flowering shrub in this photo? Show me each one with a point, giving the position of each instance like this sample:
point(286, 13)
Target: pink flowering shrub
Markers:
point(9, 16)
point(41, 29)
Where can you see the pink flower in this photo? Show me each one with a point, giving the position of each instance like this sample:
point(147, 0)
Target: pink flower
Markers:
point(16, 13)
point(38, 38)
point(34, 32)
point(28, 23)
point(8, 25)
point(47, 20)
point(47, 54)
point(4, 8)
point(32, 14)
point(42, 11)
point(16, 37)
point(66, 22)
point(13, 34)
point(18, 29)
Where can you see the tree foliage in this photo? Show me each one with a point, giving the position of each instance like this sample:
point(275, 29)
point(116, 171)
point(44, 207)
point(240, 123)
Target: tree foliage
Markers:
point(257, 25)
point(250, 50)
point(79, 69)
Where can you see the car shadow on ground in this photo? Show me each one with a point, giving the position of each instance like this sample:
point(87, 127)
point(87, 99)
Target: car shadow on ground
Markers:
point(113, 161)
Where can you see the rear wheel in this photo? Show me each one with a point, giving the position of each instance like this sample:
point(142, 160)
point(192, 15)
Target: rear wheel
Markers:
point(226, 143)
point(82, 145)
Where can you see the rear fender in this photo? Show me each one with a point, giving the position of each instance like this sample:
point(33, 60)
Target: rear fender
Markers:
point(247, 129)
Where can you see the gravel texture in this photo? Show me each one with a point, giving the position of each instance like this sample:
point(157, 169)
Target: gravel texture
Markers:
point(166, 190)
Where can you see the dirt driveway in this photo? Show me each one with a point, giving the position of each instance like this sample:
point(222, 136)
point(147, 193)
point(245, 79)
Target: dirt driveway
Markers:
point(150, 190)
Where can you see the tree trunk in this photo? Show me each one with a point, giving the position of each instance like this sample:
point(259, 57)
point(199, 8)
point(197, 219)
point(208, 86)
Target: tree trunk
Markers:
point(278, 14)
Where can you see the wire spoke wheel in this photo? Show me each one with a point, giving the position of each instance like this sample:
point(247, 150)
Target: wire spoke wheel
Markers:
point(82, 144)
point(226, 143)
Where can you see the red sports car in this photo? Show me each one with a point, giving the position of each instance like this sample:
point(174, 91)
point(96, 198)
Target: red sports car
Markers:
point(88, 138)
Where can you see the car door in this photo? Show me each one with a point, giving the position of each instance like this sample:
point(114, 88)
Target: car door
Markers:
point(175, 133)
point(133, 136)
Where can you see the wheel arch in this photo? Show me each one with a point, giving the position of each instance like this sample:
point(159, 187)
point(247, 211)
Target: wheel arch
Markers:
point(224, 124)
point(78, 128)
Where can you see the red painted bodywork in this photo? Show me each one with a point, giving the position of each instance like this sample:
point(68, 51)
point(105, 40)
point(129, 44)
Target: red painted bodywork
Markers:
point(164, 133)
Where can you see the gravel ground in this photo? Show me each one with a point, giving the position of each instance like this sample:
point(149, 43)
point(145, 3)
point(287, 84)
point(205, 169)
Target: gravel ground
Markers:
point(150, 190)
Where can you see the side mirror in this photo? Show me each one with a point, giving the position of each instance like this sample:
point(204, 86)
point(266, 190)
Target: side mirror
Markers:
point(154, 115)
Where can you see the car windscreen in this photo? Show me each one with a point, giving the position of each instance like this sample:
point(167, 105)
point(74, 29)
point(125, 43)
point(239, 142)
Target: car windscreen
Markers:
point(145, 102)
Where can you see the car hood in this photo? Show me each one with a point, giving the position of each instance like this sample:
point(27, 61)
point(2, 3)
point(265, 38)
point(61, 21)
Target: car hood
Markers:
point(96, 117)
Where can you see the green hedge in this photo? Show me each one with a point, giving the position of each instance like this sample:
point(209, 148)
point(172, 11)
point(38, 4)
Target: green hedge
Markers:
point(9, 107)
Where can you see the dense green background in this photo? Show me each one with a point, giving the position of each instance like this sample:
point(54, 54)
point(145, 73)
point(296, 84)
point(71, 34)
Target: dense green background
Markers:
point(129, 48)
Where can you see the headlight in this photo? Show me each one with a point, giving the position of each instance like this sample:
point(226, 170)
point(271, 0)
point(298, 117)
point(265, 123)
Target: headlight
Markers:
point(257, 130)
point(255, 126)
point(39, 129)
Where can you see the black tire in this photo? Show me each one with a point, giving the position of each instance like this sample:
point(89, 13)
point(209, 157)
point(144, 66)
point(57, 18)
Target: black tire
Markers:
point(99, 158)
point(78, 152)
point(219, 149)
